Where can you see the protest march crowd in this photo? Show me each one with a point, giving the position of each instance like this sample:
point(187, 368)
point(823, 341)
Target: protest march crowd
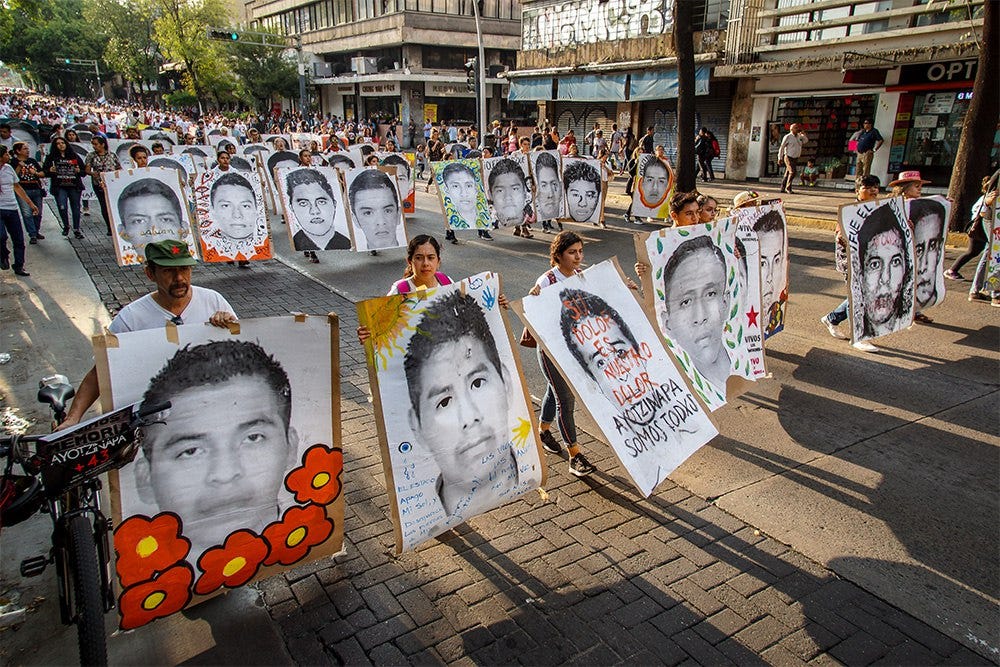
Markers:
point(346, 185)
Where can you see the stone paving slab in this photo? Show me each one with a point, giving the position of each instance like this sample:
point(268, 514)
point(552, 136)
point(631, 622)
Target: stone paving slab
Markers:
point(592, 575)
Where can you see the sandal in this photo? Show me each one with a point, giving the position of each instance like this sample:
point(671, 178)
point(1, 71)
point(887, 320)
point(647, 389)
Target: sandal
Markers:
point(923, 319)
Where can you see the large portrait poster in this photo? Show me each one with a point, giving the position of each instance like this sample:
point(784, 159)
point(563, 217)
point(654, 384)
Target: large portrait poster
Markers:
point(508, 188)
point(550, 201)
point(880, 250)
point(595, 331)
point(167, 137)
point(768, 223)
point(993, 262)
point(461, 192)
point(241, 477)
point(455, 422)
point(929, 219)
point(582, 183)
point(750, 273)
point(232, 219)
point(313, 203)
point(377, 220)
point(183, 164)
point(653, 185)
point(146, 205)
point(405, 176)
point(694, 289)
point(82, 150)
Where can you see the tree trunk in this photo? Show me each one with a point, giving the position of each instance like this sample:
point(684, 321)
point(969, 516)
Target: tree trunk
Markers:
point(684, 48)
point(972, 161)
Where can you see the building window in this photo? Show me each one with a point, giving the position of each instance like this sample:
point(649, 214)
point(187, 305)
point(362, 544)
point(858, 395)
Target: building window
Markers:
point(710, 14)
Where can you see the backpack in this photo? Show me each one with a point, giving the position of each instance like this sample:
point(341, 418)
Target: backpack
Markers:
point(716, 151)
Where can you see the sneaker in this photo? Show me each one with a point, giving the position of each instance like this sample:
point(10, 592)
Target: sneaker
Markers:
point(628, 219)
point(549, 443)
point(485, 235)
point(33, 240)
point(864, 346)
point(560, 225)
point(517, 230)
point(65, 232)
point(832, 328)
point(995, 302)
point(953, 275)
point(978, 296)
point(580, 466)
point(78, 234)
point(450, 236)
point(40, 236)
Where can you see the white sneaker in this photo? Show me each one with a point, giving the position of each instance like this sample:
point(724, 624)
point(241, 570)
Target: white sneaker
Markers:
point(832, 328)
point(864, 346)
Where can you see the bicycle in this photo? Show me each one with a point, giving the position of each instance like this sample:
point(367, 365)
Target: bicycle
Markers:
point(61, 478)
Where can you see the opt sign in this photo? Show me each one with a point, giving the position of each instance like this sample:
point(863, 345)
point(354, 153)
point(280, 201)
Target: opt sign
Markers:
point(958, 72)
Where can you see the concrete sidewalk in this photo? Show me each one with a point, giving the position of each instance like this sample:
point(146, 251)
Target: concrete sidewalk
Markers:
point(593, 574)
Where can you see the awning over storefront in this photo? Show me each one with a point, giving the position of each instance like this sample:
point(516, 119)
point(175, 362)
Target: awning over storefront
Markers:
point(662, 84)
point(592, 88)
point(530, 89)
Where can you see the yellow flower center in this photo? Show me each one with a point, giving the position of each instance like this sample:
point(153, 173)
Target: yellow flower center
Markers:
point(147, 546)
point(320, 480)
point(154, 600)
point(234, 566)
point(295, 536)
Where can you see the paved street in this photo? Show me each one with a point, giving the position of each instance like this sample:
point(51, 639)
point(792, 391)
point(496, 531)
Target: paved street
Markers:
point(847, 514)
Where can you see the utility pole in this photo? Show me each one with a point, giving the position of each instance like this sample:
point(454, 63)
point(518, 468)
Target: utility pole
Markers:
point(303, 106)
point(481, 88)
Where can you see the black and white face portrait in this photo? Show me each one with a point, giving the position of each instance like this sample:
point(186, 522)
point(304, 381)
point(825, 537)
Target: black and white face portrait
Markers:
point(313, 201)
point(549, 197)
point(232, 218)
point(376, 210)
point(168, 138)
point(507, 189)
point(250, 149)
point(169, 163)
point(197, 150)
point(654, 181)
point(341, 162)
point(773, 246)
point(928, 217)
point(147, 206)
point(235, 162)
point(582, 183)
point(21, 131)
point(282, 160)
point(123, 148)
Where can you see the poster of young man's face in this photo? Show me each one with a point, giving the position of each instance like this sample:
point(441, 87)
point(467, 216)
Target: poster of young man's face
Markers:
point(314, 206)
point(405, 176)
point(748, 277)
point(694, 290)
point(880, 249)
point(376, 210)
point(582, 184)
point(550, 200)
point(508, 188)
point(146, 206)
point(250, 149)
point(463, 197)
point(182, 164)
point(929, 217)
point(232, 220)
point(653, 183)
point(240, 477)
point(277, 142)
point(772, 242)
point(455, 420)
point(595, 331)
point(82, 149)
point(166, 137)
point(221, 142)
point(341, 161)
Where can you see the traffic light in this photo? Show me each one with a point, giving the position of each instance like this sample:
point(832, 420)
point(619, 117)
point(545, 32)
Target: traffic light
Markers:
point(225, 35)
point(471, 74)
point(66, 60)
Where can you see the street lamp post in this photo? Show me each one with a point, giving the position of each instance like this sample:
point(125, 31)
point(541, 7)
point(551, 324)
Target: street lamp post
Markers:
point(481, 92)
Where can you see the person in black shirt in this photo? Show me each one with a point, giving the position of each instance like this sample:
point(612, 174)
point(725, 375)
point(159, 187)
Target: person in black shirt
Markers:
point(647, 142)
point(30, 173)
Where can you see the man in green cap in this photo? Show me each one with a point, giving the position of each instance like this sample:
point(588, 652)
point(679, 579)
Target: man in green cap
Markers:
point(176, 300)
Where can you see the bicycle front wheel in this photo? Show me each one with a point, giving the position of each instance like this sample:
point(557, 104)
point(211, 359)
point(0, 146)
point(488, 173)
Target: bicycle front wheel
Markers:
point(85, 571)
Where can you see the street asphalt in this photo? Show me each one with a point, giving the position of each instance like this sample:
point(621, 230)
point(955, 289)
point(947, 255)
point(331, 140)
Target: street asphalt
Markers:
point(848, 512)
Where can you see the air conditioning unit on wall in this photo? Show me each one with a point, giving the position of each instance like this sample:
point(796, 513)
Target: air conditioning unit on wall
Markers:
point(364, 65)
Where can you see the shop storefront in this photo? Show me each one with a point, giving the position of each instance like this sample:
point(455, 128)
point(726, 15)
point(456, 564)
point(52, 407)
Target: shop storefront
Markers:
point(933, 101)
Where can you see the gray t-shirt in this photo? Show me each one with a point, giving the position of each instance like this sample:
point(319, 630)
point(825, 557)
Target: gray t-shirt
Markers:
point(145, 313)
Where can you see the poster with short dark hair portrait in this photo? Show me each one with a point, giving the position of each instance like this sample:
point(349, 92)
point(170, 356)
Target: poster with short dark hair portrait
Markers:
point(694, 287)
point(406, 177)
point(654, 182)
point(594, 329)
point(461, 193)
point(881, 275)
point(376, 209)
point(581, 178)
point(549, 199)
point(454, 417)
point(146, 206)
point(314, 207)
point(929, 220)
point(508, 188)
point(232, 220)
point(240, 477)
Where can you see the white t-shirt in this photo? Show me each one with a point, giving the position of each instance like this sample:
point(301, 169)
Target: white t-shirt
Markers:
point(8, 178)
point(544, 280)
point(145, 313)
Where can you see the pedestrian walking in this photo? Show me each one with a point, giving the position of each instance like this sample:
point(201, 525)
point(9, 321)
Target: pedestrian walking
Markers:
point(706, 149)
point(97, 162)
point(65, 168)
point(30, 175)
point(866, 141)
point(979, 235)
point(789, 153)
point(10, 216)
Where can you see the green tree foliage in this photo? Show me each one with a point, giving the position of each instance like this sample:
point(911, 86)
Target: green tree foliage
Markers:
point(40, 34)
point(264, 72)
point(131, 49)
point(180, 29)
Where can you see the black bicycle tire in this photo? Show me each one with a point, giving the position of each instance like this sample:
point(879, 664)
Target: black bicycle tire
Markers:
point(85, 571)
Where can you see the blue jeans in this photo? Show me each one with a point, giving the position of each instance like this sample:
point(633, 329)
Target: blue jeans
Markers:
point(979, 280)
point(838, 314)
point(32, 222)
point(70, 196)
point(10, 225)
point(558, 397)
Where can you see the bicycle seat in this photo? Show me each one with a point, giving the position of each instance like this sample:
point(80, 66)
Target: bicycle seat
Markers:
point(55, 391)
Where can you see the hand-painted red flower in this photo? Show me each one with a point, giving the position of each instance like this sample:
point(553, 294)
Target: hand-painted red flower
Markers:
point(146, 546)
point(300, 529)
point(231, 565)
point(167, 594)
point(318, 479)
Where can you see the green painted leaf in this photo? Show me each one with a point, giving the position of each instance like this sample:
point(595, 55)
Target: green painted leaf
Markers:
point(659, 245)
point(683, 232)
point(660, 294)
point(697, 379)
point(731, 344)
point(739, 335)
point(732, 313)
point(659, 273)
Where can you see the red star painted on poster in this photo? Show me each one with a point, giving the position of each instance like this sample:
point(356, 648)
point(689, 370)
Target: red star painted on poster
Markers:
point(752, 317)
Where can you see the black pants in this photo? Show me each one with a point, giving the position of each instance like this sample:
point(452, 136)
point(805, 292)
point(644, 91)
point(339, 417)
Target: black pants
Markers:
point(103, 201)
point(977, 243)
point(705, 163)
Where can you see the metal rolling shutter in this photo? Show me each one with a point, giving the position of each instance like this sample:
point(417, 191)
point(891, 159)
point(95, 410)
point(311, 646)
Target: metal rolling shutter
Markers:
point(711, 112)
point(581, 116)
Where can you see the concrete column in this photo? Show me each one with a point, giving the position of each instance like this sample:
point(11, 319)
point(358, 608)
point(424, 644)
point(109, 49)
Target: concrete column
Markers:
point(411, 108)
point(757, 146)
point(884, 121)
point(740, 122)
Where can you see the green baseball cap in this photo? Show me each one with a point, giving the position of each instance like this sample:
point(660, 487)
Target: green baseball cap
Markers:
point(169, 253)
